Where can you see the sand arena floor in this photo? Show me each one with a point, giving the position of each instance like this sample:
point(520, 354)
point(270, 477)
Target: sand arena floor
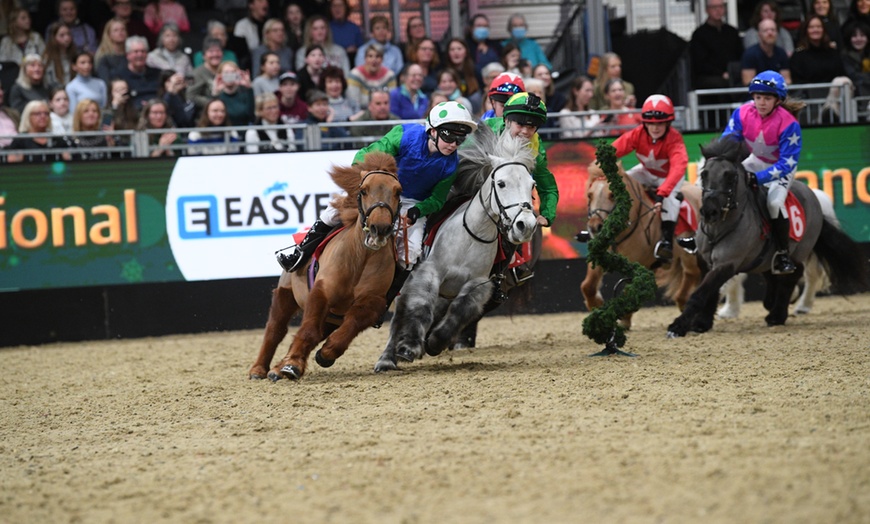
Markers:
point(743, 424)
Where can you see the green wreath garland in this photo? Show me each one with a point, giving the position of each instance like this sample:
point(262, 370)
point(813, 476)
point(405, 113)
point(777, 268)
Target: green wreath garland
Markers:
point(601, 325)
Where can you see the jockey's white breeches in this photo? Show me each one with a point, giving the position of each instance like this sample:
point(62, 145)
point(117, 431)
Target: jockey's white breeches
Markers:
point(671, 204)
point(777, 190)
point(409, 257)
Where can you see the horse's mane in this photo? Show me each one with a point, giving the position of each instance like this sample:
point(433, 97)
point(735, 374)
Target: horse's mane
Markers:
point(483, 152)
point(348, 178)
point(726, 147)
point(594, 172)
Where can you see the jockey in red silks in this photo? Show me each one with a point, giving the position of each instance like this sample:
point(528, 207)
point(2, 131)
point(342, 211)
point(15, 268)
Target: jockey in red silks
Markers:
point(663, 161)
point(501, 89)
point(768, 125)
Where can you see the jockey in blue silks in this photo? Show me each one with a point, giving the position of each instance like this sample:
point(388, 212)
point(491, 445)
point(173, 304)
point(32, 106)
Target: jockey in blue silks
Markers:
point(769, 127)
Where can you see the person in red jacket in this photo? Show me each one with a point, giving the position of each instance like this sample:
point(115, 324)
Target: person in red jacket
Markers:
point(663, 161)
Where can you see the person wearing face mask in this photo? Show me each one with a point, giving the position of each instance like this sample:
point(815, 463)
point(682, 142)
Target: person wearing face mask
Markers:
point(529, 49)
point(484, 50)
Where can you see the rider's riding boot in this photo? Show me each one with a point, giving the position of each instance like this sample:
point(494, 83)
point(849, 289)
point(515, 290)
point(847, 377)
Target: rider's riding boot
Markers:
point(399, 278)
point(782, 263)
point(664, 249)
point(300, 254)
point(583, 236)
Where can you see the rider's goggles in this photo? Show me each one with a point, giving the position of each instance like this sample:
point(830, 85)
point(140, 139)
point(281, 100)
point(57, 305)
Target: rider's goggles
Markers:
point(655, 115)
point(452, 137)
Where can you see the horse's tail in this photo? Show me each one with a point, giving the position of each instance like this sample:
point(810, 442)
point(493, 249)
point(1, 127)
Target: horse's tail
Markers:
point(844, 258)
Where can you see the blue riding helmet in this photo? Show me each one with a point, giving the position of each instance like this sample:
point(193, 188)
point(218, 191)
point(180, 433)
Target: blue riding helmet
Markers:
point(769, 82)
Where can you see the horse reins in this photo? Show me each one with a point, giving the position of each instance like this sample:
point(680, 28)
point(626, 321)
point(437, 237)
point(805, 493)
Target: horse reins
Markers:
point(730, 204)
point(502, 209)
point(365, 213)
point(633, 223)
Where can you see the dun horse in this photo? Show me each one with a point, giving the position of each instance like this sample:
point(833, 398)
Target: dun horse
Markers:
point(733, 239)
point(355, 270)
point(637, 242)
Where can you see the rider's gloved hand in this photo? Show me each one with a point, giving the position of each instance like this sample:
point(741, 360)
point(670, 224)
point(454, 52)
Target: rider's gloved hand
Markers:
point(659, 199)
point(413, 214)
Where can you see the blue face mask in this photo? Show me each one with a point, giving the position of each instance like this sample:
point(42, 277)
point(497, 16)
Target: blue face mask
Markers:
point(481, 33)
point(518, 33)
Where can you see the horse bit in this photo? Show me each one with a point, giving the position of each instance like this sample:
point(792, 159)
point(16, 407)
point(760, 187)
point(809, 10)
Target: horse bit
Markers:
point(502, 209)
point(365, 213)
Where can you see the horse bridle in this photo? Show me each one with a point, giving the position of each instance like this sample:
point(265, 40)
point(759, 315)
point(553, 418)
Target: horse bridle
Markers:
point(632, 224)
point(503, 218)
point(730, 193)
point(365, 213)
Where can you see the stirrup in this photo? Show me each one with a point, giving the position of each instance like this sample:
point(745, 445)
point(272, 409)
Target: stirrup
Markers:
point(782, 264)
point(664, 251)
point(583, 236)
point(522, 275)
point(290, 262)
point(688, 244)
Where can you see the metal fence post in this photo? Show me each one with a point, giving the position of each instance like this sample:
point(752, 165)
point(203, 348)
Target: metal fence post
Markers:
point(692, 111)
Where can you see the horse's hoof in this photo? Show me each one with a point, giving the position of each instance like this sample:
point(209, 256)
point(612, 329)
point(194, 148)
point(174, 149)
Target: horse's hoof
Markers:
point(727, 313)
point(291, 372)
point(254, 376)
point(405, 355)
point(673, 334)
point(385, 365)
point(433, 350)
point(275, 377)
point(323, 361)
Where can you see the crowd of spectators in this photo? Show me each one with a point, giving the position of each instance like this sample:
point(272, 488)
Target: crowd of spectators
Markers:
point(131, 60)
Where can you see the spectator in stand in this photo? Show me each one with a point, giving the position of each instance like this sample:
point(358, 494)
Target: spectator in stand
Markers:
point(319, 112)
point(270, 70)
point(294, 25)
point(484, 50)
point(859, 11)
point(765, 55)
point(436, 98)
point(448, 85)
point(714, 45)
point(611, 67)
point(426, 56)
point(155, 115)
point(168, 54)
point(205, 142)
point(233, 87)
point(814, 60)
point(529, 49)
point(480, 100)
point(268, 140)
point(10, 119)
point(407, 100)
point(123, 10)
point(579, 126)
point(61, 117)
point(87, 120)
point(200, 90)
point(35, 119)
point(217, 30)
point(768, 10)
point(83, 35)
point(292, 108)
point(171, 92)
point(142, 80)
point(510, 58)
point(120, 115)
point(161, 12)
point(333, 83)
point(59, 54)
point(458, 58)
point(369, 77)
point(111, 57)
point(312, 68)
point(317, 33)
point(30, 84)
point(415, 32)
point(251, 27)
point(344, 32)
point(378, 110)
point(856, 56)
point(20, 41)
point(380, 29)
point(6, 7)
point(84, 84)
point(274, 41)
point(538, 87)
point(555, 100)
point(825, 11)
point(623, 119)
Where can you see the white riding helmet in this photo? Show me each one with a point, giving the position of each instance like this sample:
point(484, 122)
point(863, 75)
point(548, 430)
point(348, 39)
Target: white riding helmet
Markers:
point(452, 116)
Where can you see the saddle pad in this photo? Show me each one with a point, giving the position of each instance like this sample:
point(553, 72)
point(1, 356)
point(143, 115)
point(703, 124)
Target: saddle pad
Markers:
point(522, 255)
point(796, 218)
point(688, 220)
point(319, 250)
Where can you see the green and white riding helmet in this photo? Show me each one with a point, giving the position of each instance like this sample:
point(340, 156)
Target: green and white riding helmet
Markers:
point(452, 117)
point(526, 109)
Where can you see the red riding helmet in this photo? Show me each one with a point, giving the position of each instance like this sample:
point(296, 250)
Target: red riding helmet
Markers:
point(657, 108)
point(504, 86)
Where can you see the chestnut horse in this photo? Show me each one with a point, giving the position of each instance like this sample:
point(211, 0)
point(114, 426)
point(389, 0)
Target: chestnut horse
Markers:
point(355, 271)
point(679, 278)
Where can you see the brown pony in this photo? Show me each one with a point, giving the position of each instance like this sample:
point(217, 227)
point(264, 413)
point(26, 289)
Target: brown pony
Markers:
point(349, 291)
point(679, 278)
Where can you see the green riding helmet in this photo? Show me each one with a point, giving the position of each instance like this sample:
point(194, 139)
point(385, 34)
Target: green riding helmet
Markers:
point(526, 109)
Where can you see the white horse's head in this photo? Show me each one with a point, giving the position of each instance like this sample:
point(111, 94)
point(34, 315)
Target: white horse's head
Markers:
point(510, 193)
